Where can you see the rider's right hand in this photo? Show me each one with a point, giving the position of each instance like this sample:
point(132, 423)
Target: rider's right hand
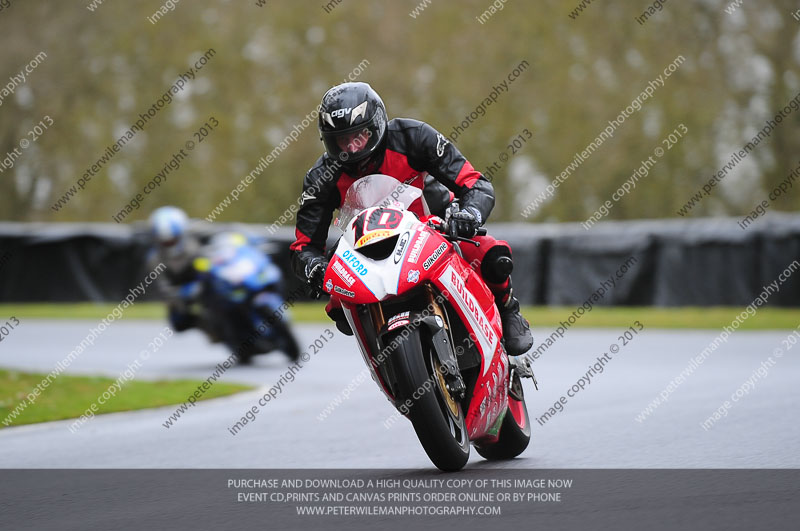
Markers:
point(465, 222)
point(315, 275)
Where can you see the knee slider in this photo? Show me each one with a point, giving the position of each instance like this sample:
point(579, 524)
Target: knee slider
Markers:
point(497, 265)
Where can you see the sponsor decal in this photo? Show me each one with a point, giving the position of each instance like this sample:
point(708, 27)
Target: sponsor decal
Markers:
point(374, 235)
point(361, 110)
point(398, 320)
point(340, 270)
point(401, 315)
point(435, 256)
point(413, 276)
point(306, 197)
point(416, 249)
point(329, 285)
point(397, 324)
point(352, 259)
point(401, 246)
point(341, 113)
point(470, 307)
point(341, 291)
point(441, 143)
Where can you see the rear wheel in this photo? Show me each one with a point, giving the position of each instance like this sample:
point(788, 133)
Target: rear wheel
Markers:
point(437, 417)
point(515, 431)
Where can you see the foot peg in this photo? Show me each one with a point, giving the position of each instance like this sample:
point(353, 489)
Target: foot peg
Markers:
point(522, 366)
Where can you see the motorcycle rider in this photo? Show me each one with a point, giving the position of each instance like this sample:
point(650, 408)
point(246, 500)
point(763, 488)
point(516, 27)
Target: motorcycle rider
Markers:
point(176, 248)
point(360, 140)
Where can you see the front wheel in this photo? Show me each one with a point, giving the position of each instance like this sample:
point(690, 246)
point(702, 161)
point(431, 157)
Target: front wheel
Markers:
point(437, 418)
point(515, 431)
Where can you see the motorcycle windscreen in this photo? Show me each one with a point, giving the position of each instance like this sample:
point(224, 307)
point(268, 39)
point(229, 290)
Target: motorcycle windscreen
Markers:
point(376, 191)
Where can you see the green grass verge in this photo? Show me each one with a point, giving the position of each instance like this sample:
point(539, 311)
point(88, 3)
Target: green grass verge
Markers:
point(69, 396)
point(81, 310)
point(544, 316)
point(690, 317)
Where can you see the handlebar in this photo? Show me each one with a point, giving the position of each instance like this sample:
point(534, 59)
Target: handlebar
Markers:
point(451, 236)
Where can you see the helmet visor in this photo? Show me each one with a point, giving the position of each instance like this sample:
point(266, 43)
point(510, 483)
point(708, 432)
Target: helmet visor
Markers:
point(357, 142)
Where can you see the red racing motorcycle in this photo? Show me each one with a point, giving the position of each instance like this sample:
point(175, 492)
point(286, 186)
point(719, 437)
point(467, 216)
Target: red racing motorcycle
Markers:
point(427, 325)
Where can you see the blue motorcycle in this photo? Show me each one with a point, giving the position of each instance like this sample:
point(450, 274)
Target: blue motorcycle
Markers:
point(239, 290)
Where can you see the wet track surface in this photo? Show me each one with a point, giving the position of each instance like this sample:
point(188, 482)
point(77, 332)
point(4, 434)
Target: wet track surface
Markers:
point(596, 429)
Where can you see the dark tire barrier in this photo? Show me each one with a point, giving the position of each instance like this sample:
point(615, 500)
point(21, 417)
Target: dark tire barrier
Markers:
point(700, 262)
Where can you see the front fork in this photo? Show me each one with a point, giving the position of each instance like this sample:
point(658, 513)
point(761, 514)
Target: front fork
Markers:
point(443, 345)
point(435, 321)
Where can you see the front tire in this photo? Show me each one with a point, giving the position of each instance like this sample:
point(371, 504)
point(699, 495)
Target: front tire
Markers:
point(442, 433)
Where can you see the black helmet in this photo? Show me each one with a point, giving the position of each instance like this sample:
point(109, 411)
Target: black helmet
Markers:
point(352, 125)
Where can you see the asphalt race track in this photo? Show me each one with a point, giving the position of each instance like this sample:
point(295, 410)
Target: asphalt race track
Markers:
point(596, 429)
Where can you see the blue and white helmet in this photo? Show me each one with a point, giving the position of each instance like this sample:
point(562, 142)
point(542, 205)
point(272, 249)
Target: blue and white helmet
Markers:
point(168, 225)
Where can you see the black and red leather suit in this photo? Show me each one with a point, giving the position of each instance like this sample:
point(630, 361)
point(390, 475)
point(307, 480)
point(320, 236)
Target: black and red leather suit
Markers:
point(418, 155)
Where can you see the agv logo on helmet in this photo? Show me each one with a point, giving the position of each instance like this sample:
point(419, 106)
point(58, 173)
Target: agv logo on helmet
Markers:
point(341, 113)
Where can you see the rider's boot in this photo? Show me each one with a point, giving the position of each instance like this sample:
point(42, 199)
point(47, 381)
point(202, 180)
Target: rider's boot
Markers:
point(516, 330)
point(335, 312)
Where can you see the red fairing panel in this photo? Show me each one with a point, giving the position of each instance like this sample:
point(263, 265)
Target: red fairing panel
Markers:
point(366, 353)
point(475, 305)
point(426, 251)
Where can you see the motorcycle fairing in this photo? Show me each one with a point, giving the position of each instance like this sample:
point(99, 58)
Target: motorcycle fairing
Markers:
point(474, 303)
point(360, 279)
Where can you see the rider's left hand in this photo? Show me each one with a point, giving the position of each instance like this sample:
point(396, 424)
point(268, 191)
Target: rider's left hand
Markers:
point(466, 222)
point(315, 275)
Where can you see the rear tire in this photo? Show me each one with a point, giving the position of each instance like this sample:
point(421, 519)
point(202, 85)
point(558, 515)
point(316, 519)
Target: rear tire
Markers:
point(515, 432)
point(443, 435)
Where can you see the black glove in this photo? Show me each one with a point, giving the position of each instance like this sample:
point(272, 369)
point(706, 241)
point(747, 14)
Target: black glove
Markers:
point(466, 222)
point(315, 274)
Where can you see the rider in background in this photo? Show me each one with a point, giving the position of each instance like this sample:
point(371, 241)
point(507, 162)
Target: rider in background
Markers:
point(360, 140)
point(176, 248)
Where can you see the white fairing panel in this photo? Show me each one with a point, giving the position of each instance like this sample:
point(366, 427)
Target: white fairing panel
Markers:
point(381, 277)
